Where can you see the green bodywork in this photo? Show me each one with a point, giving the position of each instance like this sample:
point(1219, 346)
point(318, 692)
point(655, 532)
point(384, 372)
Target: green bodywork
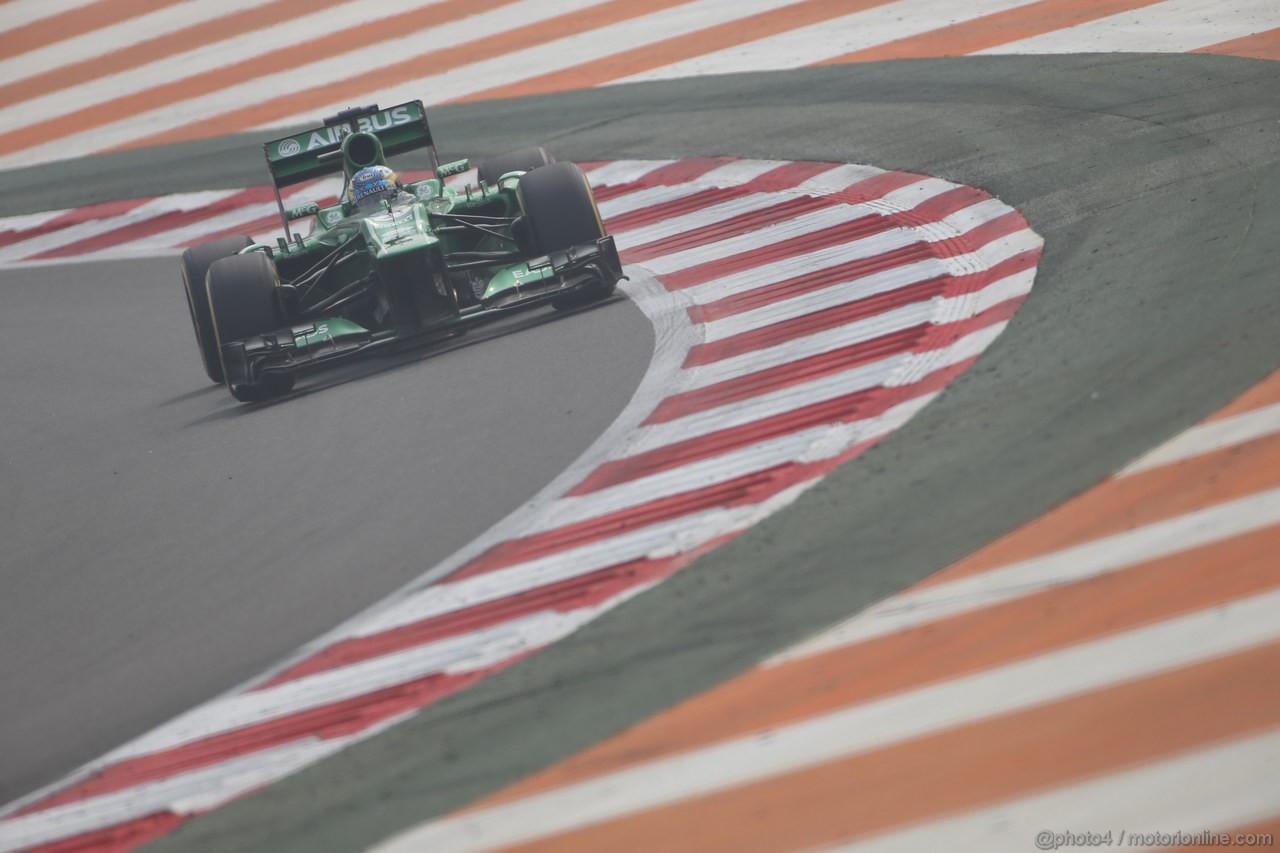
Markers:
point(435, 260)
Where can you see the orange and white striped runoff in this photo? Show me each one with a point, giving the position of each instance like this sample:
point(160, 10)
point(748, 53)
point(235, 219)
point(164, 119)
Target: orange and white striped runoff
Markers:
point(84, 76)
point(1111, 667)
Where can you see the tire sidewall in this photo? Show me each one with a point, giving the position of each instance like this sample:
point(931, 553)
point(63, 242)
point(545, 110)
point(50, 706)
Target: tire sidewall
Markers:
point(559, 207)
point(242, 296)
point(195, 267)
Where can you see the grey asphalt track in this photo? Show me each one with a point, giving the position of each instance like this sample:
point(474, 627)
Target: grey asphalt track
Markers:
point(163, 543)
point(1154, 181)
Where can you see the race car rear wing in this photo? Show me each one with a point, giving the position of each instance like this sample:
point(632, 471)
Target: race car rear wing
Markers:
point(301, 157)
point(293, 159)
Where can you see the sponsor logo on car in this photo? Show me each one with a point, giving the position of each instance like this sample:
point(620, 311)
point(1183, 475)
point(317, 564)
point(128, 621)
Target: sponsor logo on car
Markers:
point(309, 209)
point(455, 168)
point(385, 119)
point(329, 136)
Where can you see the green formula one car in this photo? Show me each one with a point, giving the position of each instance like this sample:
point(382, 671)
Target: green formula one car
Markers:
point(391, 263)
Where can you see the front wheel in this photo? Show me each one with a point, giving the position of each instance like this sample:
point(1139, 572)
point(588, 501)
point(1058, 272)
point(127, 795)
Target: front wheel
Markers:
point(561, 213)
point(195, 266)
point(241, 292)
point(559, 207)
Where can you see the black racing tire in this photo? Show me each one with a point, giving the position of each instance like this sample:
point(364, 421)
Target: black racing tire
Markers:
point(559, 207)
point(523, 160)
point(241, 293)
point(195, 266)
point(561, 213)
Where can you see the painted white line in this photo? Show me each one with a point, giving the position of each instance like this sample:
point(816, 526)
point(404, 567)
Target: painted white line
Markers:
point(934, 309)
point(624, 171)
point(816, 261)
point(892, 238)
point(1048, 678)
point(193, 64)
point(85, 230)
point(197, 230)
point(629, 238)
point(668, 538)
point(738, 244)
point(326, 190)
point(164, 242)
point(735, 173)
point(172, 239)
point(654, 541)
point(19, 13)
point(90, 45)
point(1225, 786)
point(881, 243)
point(912, 195)
point(196, 791)
point(458, 654)
point(839, 178)
point(970, 346)
point(568, 52)
point(968, 218)
point(183, 793)
point(644, 198)
point(807, 346)
point(1172, 26)
point(16, 225)
point(811, 445)
point(840, 293)
point(330, 69)
point(997, 251)
point(1208, 437)
point(780, 401)
point(1119, 551)
point(738, 172)
point(1013, 286)
point(900, 200)
point(829, 39)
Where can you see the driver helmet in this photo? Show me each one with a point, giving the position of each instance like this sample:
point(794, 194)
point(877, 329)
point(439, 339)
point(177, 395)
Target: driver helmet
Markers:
point(370, 186)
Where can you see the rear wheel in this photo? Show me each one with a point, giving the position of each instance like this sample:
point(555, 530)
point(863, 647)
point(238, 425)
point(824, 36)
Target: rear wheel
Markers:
point(560, 212)
point(195, 266)
point(242, 302)
point(523, 160)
